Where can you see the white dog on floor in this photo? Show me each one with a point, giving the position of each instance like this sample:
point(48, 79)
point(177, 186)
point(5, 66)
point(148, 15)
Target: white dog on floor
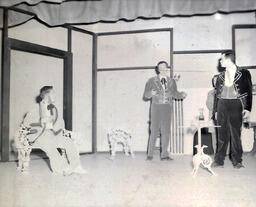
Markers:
point(201, 158)
point(119, 136)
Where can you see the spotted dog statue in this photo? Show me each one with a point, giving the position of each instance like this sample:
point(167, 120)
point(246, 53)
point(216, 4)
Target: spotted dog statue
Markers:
point(119, 136)
point(200, 158)
point(23, 147)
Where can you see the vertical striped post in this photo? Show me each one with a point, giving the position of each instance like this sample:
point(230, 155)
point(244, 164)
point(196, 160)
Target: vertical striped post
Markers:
point(177, 132)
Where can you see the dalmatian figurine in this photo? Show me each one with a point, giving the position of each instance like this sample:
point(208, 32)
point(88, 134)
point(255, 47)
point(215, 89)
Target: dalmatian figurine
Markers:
point(119, 136)
point(23, 147)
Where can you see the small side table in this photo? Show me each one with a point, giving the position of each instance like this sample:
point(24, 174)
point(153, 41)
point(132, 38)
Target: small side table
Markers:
point(205, 160)
point(199, 125)
point(202, 124)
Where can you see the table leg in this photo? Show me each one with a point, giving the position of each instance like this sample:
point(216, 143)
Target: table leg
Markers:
point(199, 137)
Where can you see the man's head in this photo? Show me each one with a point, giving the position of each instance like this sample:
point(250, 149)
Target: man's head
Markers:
point(227, 58)
point(162, 68)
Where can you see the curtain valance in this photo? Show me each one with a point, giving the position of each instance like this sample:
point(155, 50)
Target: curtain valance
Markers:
point(59, 12)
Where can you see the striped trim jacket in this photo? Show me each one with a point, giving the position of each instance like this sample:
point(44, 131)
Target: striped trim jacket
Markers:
point(242, 84)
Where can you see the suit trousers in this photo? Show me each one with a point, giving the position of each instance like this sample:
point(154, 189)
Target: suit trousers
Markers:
point(229, 117)
point(160, 126)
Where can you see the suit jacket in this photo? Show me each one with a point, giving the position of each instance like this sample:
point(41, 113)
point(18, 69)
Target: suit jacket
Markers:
point(163, 96)
point(243, 87)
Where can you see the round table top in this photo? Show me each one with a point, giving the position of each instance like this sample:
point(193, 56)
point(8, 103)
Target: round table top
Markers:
point(201, 124)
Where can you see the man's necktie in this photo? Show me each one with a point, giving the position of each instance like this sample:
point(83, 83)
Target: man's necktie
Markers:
point(163, 81)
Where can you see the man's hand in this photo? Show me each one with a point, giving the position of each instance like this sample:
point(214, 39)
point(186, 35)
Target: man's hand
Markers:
point(153, 92)
point(246, 115)
point(184, 95)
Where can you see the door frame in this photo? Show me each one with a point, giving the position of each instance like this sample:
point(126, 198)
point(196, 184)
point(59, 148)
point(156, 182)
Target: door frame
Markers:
point(14, 44)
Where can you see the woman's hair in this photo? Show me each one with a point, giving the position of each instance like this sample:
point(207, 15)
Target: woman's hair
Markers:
point(43, 91)
point(159, 63)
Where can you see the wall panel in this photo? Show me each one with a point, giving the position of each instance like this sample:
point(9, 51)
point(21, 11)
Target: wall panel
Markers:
point(30, 72)
point(120, 105)
point(82, 89)
point(133, 50)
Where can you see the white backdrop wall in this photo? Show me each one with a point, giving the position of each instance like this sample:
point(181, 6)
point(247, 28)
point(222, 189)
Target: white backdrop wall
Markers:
point(28, 75)
point(29, 72)
point(195, 33)
point(245, 46)
point(37, 33)
point(190, 33)
point(131, 50)
point(82, 89)
point(120, 93)
point(120, 105)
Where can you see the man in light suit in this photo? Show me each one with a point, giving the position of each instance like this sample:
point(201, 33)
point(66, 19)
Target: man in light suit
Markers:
point(160, 90)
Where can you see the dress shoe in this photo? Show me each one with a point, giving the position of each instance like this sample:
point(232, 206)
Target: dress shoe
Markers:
point(166, 158)
point(238, 165)
point(149, 158)
point(216, 164)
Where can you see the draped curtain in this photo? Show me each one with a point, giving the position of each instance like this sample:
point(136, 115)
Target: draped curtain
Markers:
point(59, 12)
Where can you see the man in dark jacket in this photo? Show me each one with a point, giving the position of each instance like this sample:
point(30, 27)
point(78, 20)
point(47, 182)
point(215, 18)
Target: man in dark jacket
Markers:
point(233, 104)
point(160, 90)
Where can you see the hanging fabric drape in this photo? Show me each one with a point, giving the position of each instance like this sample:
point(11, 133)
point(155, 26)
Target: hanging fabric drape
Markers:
point(8, 3)
point(55, 13)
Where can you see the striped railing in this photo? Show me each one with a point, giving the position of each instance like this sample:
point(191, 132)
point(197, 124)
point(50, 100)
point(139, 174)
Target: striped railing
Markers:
point(177, 132)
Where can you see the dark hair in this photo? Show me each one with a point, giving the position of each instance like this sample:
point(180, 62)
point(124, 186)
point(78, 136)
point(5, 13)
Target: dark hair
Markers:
point(159, 63)
point(219, 67)
point(45, 88)
point(230, 55)
point(43, 91)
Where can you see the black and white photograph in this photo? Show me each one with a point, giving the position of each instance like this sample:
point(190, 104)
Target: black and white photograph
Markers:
point(128, 103)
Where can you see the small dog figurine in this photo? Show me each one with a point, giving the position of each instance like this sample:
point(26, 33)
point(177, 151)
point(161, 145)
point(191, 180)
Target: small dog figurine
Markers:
point(23, 146)
point(116, 136)
point(201, 158)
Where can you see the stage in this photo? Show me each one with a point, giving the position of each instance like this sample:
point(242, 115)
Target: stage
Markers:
point(129, 182)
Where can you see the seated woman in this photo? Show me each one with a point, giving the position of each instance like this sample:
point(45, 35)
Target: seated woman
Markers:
point(49, 136)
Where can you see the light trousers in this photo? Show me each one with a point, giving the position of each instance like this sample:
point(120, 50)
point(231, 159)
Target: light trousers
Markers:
point(160, 126)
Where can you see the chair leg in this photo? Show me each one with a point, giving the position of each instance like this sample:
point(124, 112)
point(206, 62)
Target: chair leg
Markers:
point(113, 150)
point(26, 160)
